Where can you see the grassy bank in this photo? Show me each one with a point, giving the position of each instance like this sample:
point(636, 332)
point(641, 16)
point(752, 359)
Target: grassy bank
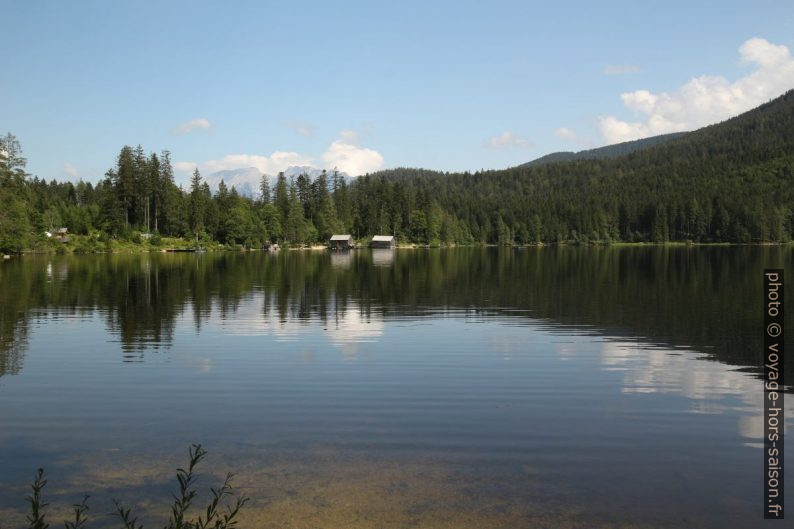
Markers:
point(102, 243)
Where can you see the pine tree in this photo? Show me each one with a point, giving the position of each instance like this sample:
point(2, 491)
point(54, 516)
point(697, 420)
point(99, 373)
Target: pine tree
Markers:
point(282, 198)
point(197, 203)
point(303, 188)
point(165, 192)
point(342, 203)
point(154, 198)
point(140, 200)
point(124, 183)
point(294, 229)
point(111, 209)
point(264, 189)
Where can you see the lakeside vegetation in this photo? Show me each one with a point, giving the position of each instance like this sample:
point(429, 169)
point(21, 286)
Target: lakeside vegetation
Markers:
point(220, 513)
point(730, 182)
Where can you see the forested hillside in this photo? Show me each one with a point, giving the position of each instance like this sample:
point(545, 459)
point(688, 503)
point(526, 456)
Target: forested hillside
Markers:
point(608, 151)
point(732, 182)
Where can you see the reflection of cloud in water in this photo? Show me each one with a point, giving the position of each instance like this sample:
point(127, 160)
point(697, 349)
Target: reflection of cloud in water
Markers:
point(345, 329)
point(202, 364)
point(250, 319)
point(565, 350)
point(614, 354)
point(712, 387)
point(351, 328)
point(507, 345)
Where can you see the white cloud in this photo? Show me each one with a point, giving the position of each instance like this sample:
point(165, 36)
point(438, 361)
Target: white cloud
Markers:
point(193, 124)
point(71, 170)
point(273, 164)
point(565, 133)
point(301, 127)
point(352, 159)
point(611, 69)
point(706, 99)
point(185, 166)
point(508, 139)
point(344, 154)
point(763, 52)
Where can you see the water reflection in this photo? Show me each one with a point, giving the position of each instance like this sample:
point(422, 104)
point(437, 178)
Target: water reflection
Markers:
point(383, 256)
point(709, 387)
point(341, 259)
point(352, 328)
point(345, 326)
point(705, 299)
point(560, 387)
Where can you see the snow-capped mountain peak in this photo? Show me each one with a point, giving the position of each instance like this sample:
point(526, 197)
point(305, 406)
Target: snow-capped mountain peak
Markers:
point(246, 180)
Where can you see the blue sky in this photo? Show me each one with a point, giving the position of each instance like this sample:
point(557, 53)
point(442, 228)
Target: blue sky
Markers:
point(363, 85)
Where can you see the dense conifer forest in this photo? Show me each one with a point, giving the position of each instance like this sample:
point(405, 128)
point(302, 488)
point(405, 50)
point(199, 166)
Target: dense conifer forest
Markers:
point(729, 182)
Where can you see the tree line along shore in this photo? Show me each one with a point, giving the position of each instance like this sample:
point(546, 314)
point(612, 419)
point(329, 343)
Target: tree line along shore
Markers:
point(732, 182)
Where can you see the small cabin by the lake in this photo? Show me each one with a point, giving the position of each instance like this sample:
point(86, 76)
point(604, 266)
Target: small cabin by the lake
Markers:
point(341, 242)
point(382, 241)
point(62, 234)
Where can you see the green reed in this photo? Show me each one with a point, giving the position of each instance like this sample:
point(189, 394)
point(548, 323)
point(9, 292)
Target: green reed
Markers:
point(220, 513)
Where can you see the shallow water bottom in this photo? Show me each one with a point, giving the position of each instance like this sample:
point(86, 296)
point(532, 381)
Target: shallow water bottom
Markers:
point(331, 488)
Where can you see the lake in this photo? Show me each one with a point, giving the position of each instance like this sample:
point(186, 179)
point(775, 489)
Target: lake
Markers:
point(574, 387)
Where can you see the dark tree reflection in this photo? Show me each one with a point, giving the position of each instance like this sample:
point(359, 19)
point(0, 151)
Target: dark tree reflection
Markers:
point(707, 298)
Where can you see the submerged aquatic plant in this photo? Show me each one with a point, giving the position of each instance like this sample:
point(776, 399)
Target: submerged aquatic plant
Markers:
point(36, 515)
point(220, 513)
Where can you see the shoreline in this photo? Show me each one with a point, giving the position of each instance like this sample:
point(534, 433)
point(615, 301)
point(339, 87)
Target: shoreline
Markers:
point(185, 246)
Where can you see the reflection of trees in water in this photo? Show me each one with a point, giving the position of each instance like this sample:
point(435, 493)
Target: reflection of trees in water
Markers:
point(707, 298)
point(13, 320)
point(13, 342)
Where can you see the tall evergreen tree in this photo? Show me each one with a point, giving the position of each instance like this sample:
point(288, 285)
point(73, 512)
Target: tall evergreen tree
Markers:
point(124, 183)
point(264, 189)
point(303, 189)
point(294, 229)
point(153, 185)
point(197, 203)
point(165, 193)
point(282, 198)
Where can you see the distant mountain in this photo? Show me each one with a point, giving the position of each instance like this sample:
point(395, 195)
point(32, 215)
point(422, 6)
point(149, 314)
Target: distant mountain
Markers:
point(246, 180)
point(606, 152)
point(312, 172)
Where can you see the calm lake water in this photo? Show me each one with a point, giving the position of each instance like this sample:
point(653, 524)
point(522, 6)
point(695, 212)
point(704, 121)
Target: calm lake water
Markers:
point(466, 388)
